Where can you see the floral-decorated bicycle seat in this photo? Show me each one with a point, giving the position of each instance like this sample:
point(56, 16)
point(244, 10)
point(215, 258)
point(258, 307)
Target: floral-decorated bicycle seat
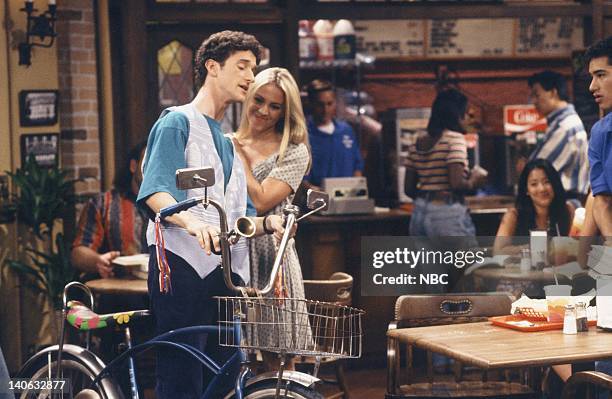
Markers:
point(83, 318)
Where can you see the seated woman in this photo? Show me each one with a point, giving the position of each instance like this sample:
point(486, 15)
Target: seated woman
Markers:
point(540, 205)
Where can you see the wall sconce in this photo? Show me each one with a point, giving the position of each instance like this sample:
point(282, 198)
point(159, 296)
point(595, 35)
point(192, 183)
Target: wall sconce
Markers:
point(40, 30)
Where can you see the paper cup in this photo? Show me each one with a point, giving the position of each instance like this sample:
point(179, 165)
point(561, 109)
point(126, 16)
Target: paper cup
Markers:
point(604, 301)
point(557, 296)
point(563, 249)
point(538, 245)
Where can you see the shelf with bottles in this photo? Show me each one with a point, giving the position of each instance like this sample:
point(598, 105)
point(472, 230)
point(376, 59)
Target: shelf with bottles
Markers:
point(325, 44)
point(360, 60)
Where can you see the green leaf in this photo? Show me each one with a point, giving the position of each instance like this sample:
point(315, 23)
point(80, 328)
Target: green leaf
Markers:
point(43, 195)
point(26, 270)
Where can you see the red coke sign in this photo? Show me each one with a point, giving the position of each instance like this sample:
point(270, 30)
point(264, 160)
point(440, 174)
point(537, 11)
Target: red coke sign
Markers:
point(522, 119)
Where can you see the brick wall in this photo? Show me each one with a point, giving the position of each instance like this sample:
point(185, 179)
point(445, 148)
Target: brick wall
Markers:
point(78, 85)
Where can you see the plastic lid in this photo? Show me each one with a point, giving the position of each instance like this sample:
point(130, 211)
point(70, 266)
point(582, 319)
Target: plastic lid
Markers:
point(343, 27)
point(322, 26)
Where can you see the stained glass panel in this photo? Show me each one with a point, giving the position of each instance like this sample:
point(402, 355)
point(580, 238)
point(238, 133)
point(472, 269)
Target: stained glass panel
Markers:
point(175, 74)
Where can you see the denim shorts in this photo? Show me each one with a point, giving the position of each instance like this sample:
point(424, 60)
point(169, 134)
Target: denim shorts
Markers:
point(440, 219)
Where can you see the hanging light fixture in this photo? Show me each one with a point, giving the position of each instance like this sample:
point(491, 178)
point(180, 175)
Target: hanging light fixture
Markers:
point(40, 30)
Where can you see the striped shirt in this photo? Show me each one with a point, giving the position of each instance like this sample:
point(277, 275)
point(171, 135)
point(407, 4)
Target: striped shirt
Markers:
point(111, 222)
point(565, 146)
point(431, 165)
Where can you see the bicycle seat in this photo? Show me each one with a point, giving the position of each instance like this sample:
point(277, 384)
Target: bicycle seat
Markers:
point(83, 318)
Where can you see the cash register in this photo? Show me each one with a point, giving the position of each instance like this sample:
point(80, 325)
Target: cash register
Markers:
point(347, 195)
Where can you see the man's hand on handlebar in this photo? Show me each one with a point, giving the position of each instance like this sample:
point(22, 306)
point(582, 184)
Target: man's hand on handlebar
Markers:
point(205, 233)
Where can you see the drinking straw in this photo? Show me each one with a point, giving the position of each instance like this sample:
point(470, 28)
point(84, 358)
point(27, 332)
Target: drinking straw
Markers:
point(555, 275)
point(553, 266)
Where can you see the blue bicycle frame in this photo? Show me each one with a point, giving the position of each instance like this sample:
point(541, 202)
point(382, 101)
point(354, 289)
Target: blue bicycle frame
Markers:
point(165, 340)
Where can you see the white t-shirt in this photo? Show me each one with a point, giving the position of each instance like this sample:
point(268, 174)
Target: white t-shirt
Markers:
point(327, 128)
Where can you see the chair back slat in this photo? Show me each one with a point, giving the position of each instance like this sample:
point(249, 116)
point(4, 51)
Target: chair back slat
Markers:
point(440, 309)
point(337, 289)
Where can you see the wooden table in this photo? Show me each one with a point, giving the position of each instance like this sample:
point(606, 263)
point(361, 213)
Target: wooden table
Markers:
point(118, 286)
point(490, 347)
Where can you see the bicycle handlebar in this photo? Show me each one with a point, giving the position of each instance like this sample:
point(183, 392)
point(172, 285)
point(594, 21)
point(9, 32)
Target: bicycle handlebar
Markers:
point(290, 212)
point(179, 207)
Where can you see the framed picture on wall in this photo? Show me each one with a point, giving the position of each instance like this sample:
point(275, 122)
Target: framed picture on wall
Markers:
point(44, 147)
point(38, 107)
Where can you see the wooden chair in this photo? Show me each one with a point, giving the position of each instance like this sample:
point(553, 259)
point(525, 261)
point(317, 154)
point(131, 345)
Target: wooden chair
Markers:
point(338, 289)
point(441, 309)
point(590, 379)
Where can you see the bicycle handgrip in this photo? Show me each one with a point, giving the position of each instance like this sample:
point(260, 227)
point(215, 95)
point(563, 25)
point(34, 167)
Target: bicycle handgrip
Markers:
point(176, 208)
point(212, 248)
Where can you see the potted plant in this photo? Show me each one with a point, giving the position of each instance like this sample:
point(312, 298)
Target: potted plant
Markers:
point(43, 195)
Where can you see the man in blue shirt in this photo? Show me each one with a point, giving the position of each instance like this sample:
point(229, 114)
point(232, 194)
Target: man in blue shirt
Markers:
point(335, 150)
point(599, 59)
point(185, 276)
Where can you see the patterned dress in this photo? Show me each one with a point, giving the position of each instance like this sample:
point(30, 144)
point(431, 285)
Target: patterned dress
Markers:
point(288, 328)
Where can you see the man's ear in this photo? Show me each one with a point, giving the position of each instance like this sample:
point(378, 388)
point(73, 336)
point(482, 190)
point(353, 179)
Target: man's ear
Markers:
point(212, 67)
point(555, 93)
point(133, 165)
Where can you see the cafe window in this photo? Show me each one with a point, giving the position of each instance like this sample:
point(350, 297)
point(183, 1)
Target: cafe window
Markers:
point(175, 74)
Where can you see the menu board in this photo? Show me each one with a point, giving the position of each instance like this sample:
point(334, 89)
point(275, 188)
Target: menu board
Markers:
point(474, 37)
point(549, 35)
point(391, 38)
point(470, 37)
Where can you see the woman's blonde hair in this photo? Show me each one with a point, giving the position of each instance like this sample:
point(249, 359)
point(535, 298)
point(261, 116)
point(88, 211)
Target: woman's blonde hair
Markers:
point(292, 125)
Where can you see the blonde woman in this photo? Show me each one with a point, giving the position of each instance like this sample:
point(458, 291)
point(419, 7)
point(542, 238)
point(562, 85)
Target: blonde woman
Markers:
point(272, 141)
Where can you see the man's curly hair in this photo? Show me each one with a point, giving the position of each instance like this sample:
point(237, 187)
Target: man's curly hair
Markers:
point(220, 46)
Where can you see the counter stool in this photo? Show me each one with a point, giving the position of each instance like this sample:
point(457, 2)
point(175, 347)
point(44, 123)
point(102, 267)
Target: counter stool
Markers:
point(337, 289)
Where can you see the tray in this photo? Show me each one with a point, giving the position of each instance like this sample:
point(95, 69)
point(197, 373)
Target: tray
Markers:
point(520, 323)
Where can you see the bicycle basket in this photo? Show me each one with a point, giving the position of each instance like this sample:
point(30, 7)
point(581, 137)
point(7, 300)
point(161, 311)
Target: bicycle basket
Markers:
point(290, 325)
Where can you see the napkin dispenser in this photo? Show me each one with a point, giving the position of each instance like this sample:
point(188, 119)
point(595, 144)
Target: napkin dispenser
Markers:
point(604, 301)
point(347, 195)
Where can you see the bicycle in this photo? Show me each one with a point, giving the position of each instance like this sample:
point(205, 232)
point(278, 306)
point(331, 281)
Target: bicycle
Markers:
point(333, 330)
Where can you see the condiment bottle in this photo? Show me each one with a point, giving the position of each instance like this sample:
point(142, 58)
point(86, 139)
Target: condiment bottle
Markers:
point(525, 260)
point(569, 321)
point(344, 40)
point(582, 324)
point(325, 39)
point(308, 42)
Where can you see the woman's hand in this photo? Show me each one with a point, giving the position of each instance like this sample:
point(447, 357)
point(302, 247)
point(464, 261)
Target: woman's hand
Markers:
point(276, 223)
point(478, 177)
point(240, 151)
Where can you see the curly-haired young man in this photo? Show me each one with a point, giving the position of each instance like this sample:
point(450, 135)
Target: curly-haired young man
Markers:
point(184, 137)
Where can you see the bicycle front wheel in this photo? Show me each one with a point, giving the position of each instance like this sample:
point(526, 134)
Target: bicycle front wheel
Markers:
point(77, 373)
point(289, 389)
